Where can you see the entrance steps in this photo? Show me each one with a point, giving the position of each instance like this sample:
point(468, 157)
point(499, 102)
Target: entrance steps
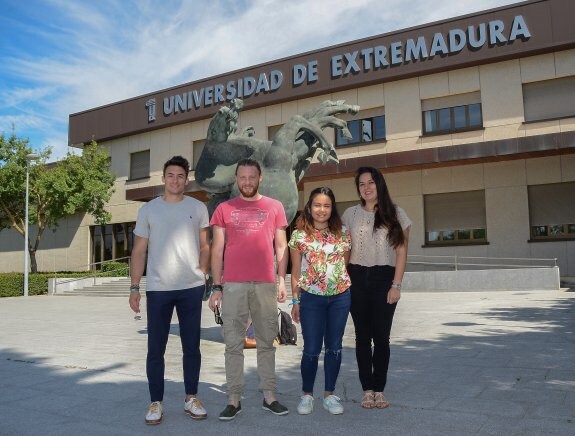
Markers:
point(115, 287)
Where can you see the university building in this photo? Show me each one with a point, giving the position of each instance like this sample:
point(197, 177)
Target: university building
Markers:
point(470, 119)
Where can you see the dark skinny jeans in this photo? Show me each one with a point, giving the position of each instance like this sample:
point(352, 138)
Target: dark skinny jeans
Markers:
point(160, 308)
point(372, 317)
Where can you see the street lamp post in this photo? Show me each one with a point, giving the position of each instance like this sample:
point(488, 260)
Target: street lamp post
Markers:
point(29, 157)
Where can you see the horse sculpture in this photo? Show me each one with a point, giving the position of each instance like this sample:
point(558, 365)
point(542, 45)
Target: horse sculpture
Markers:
point(284, 159)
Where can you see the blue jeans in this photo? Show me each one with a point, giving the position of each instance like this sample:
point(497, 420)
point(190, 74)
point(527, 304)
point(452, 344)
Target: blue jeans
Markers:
point(322, 321)
point(160, 307)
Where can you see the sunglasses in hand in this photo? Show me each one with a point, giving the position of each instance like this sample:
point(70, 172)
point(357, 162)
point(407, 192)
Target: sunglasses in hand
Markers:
point(218, 317)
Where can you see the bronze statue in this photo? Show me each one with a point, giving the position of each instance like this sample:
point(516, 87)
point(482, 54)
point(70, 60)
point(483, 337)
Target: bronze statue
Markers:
point(284, 159)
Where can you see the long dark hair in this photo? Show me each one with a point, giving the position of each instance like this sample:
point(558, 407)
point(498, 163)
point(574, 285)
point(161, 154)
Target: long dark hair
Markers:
point(385, 210)
point(305, 220)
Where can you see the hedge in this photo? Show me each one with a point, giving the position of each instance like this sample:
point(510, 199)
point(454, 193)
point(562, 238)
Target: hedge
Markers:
point(114, 269)
point(12, 284)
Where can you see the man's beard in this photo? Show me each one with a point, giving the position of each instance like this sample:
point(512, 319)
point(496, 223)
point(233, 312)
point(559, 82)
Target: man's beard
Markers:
point(251, 193)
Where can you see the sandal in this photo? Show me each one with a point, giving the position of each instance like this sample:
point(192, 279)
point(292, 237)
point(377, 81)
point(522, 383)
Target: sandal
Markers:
point(380, 401)
point(368, 400)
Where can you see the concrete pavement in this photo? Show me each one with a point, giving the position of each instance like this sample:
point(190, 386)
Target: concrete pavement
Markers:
point(463, 363)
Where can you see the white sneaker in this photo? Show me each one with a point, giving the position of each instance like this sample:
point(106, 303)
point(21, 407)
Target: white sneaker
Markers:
point(155, 413)
point(333, 405)
point(195, 409)
point(305, 406)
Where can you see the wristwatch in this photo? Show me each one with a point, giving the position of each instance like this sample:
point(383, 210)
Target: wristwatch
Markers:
point(216, 288)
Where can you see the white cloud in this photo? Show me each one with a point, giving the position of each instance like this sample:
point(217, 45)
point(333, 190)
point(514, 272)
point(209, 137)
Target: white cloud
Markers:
point(101, 52)
point(20, 123)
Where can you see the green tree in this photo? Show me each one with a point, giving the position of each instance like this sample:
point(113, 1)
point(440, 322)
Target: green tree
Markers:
point(77, 183)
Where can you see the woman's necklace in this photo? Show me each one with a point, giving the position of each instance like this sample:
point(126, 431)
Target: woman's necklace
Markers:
point(372, 210)
point(320, 229)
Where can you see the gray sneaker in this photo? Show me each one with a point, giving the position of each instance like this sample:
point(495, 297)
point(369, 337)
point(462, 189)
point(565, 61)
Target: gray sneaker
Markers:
point(305, 406)
point(332, 405)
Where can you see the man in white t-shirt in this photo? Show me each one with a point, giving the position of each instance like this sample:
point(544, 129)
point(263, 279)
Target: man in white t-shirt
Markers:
point(174, 230)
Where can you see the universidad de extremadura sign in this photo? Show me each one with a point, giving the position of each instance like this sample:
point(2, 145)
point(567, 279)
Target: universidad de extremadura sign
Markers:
point(361, 61)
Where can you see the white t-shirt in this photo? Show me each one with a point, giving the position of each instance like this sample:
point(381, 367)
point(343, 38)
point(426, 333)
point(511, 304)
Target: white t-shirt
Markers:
point(369, 248)
point(173, 233)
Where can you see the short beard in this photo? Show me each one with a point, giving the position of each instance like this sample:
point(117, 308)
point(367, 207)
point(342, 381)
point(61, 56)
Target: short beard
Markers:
point(249, 194)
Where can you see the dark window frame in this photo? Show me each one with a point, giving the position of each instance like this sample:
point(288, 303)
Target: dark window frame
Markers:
point(555, 225)
point(102, 251)
point(134, 172)
point(436, 115)
point(548, 100)
point(363, 136)
point(442, 231)
point(552, 232)
point(457, 237)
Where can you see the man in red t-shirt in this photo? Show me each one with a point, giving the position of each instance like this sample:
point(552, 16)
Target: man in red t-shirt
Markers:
point(247, 230)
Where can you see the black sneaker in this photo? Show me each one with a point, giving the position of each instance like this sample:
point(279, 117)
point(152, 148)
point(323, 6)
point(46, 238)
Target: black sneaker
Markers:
point(230, 412)
point(276, 408)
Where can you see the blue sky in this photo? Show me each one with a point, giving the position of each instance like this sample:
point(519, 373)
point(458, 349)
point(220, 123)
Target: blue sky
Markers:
point(59, 57)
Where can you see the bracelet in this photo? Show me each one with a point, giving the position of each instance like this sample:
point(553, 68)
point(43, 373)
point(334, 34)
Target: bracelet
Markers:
point(216, 288)
point(134, 288)
point(396, 285)
point(295, 300)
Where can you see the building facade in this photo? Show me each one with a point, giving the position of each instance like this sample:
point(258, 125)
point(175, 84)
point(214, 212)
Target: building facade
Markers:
point(471, 120)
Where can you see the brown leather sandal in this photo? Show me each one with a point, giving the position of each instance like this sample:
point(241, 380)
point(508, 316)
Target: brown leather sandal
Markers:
point(368, 400)
point(380, 402)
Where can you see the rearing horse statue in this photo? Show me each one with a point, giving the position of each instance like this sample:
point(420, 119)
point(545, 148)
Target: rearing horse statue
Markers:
point(284, 159)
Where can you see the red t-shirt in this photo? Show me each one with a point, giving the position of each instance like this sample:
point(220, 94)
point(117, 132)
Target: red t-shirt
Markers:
point(249, 227)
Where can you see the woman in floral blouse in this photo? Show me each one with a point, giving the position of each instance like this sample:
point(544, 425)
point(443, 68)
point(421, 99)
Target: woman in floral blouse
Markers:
point(320, 250)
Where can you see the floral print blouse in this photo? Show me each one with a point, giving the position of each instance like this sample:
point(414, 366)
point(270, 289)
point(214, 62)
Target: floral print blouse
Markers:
point(323, 270)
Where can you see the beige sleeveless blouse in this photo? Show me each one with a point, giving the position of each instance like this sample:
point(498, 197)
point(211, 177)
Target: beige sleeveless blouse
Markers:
point(369, 248)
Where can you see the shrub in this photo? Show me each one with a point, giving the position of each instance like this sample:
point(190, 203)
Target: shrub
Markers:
point(114, 269)
point(12, 284)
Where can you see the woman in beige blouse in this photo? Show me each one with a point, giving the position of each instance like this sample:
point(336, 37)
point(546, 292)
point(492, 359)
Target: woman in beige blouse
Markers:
point(379, 235)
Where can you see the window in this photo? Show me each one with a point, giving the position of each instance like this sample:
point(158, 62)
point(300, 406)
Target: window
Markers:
point(101, 243)
point(549, 99)
point(130, 237)
point(111, 241)
point(140, 165)
point(454, 113)
point(120, 241)
point(96, 244)
point(362, 131)
point(552, 211)
point(108, 236)
point(198, 147)
point(452, 119)
point(455, 218)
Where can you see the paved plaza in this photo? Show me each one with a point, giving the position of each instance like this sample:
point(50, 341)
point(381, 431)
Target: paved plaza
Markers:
point(462, 363)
